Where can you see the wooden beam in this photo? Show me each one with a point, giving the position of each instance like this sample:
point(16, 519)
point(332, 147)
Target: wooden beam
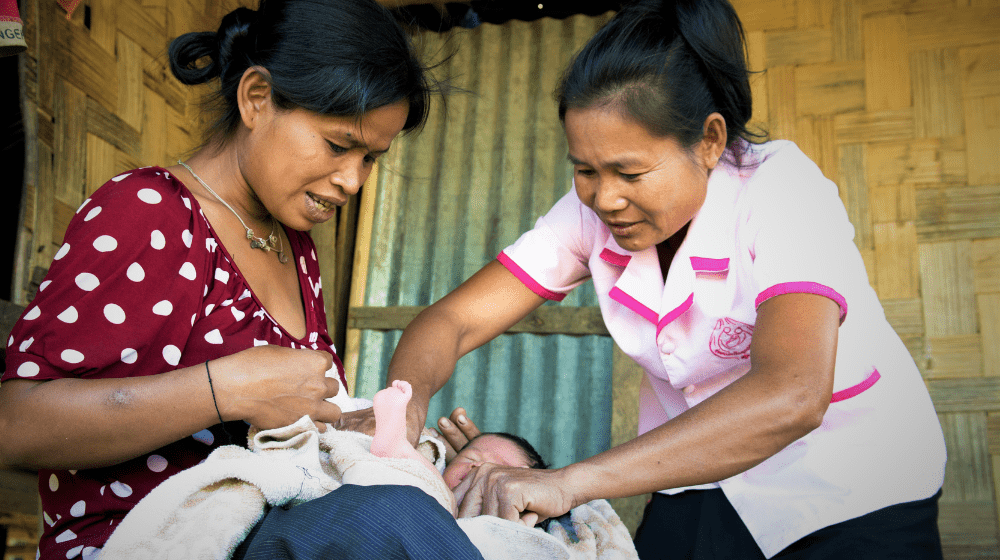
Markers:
point(544, 320)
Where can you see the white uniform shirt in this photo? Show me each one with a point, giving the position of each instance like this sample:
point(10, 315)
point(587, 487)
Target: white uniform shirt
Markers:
point(769, 229)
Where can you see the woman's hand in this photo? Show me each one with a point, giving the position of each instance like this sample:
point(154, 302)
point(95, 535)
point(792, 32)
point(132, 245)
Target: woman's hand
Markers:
point(517, 494)
point(359, 421)
point(273, 386)
point(456, 431)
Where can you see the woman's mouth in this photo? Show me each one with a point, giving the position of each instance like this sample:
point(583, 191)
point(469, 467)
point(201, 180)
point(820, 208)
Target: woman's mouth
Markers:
point(622, 229)
point(323, 205)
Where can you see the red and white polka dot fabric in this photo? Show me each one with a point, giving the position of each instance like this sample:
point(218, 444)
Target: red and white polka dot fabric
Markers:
point(141, 286)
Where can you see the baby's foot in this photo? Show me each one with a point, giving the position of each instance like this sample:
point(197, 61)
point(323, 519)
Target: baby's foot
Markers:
point(390, 424)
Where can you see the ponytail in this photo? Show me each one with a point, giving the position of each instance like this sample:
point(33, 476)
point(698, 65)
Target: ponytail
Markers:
point(715, 34)
point(668, 64)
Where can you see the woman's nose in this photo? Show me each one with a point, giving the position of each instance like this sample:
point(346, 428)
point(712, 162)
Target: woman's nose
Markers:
point(607, 197)
point(351, 176)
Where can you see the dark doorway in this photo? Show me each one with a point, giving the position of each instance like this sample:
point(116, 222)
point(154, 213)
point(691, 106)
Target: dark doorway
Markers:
point(12, 166)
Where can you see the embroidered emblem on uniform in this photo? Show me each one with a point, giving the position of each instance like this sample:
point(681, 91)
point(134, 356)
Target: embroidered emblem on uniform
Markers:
point(731, 339)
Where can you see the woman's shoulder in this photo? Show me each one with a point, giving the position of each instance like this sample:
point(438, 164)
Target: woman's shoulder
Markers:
point(143, 182)
point(148, 191)
point(777, 170)
point(137, 199)
point(775, 158)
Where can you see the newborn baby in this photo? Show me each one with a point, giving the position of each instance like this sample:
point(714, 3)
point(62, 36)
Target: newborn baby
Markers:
point(493, 447)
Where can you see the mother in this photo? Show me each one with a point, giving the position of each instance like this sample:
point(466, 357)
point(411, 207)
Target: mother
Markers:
point(187, 300)
point(773, 422)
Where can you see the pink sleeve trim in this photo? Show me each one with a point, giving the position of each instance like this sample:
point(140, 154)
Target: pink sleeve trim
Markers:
point(633, 304)
point(804, 288)
point(857, 389)
point(614, 258)
point(709, 265)
point(527, 280)
point(677, 312)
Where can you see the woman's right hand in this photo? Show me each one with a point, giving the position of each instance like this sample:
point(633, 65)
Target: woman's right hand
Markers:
point(273, 386)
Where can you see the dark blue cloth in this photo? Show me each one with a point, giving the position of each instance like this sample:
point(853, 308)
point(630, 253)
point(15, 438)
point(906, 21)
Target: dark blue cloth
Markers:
point(702, 525)
point(360, 522)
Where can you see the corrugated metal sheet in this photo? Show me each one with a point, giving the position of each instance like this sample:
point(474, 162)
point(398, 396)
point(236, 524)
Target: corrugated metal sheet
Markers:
point(451, 197)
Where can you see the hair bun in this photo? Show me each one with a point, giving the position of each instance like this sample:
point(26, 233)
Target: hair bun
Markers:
point(235, 27)
point(220, 48)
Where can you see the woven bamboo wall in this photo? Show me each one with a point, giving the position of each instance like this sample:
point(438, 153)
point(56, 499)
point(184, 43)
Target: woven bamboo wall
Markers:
point(99, 99)
point(898, 101)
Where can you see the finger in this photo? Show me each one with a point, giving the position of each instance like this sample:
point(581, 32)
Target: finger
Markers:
point(461, 490)
point(467, 426)
point(327, 413)
point(332, 387)
point(529, 518)
point(469, 495)
point(454, 439)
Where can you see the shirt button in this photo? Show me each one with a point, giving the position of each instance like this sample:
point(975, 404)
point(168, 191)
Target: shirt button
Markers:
point(688, 390)
point(667, 347)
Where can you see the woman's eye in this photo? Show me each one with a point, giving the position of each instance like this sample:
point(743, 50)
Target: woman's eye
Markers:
point(630, 176)
point(336, 149)
point(370, 159)
point(585, 172)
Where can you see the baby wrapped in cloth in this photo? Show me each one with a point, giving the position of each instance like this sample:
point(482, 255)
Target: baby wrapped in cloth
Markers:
point(206, 511)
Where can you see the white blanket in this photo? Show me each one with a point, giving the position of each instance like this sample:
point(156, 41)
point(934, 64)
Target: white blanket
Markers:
point(207, 510)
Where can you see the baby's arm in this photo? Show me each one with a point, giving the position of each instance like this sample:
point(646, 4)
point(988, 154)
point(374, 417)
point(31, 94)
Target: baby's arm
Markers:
point(390, 424)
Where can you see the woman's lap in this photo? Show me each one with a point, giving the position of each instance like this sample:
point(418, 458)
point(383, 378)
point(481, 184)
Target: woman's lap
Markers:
point(703, 525)
point(355, 522)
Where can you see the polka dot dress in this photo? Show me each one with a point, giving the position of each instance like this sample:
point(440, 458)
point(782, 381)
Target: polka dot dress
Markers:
point(141, 286)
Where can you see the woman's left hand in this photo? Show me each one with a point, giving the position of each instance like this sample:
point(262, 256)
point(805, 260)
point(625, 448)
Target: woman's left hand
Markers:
point(517, 494)
point(456, 431)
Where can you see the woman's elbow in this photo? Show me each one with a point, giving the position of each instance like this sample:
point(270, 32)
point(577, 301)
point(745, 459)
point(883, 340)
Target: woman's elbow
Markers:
point(806, 409)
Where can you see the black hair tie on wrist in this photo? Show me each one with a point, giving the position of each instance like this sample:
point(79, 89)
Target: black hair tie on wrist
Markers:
point(211, 388)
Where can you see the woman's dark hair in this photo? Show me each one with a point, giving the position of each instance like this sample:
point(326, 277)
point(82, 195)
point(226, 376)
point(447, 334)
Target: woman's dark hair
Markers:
point(331, 57)
point(668, 64)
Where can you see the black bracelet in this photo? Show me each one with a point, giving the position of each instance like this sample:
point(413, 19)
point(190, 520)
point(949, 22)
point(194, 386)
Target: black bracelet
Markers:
point(216, 403)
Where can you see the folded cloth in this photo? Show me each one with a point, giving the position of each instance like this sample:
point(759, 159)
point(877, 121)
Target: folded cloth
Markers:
point(207, 510)
point(592, 531)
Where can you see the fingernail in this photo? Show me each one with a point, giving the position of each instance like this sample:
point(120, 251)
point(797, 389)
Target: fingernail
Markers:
point(461, 419)
point(444, 422)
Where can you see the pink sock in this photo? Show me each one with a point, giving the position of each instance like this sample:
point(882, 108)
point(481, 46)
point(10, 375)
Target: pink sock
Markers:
point(390, 424)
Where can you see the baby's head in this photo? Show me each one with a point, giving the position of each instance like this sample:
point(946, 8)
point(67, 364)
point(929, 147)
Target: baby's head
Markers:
point(494, 447)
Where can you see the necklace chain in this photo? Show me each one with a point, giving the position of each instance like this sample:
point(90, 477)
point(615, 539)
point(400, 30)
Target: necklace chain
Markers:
point(271, 243)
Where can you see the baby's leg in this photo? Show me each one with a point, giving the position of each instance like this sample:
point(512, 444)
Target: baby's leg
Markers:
point(390, 424)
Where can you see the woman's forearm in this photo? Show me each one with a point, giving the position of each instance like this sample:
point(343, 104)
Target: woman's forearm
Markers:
point(425, 357)
point(729, 433)
point(85, 423)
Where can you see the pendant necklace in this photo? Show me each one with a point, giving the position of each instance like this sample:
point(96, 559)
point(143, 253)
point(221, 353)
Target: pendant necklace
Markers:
point(271, 243)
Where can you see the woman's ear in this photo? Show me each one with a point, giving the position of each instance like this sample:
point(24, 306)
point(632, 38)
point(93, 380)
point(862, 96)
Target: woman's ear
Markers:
point(253, 95)
point(713, 140)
